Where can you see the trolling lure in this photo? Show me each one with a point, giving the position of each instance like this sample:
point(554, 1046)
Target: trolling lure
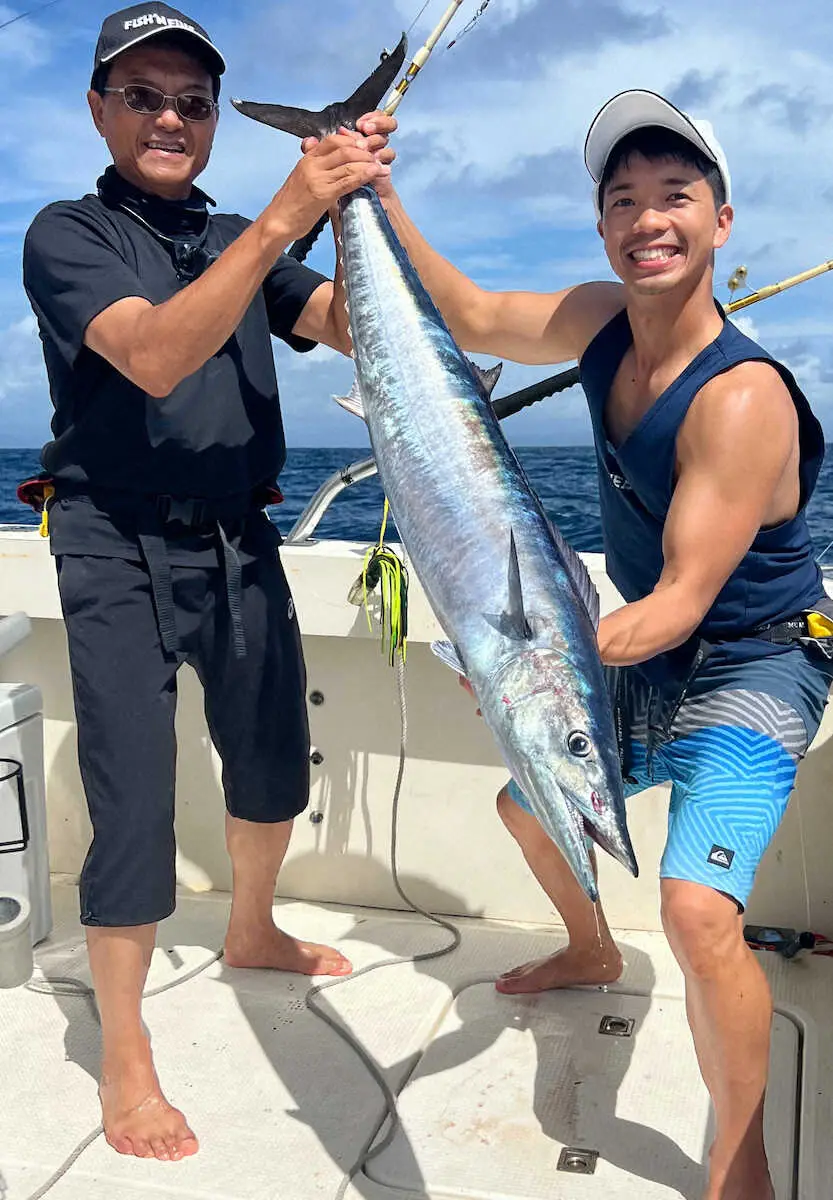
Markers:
point(382, 565)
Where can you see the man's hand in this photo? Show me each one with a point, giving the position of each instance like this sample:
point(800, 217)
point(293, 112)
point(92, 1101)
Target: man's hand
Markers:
point(328, 170)
point(371, 135)
point(376, 129)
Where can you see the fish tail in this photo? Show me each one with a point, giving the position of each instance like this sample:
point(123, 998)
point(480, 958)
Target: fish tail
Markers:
point(303, 122)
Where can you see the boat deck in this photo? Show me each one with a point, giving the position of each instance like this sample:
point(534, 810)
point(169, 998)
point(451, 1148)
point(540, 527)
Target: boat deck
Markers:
point(492, 1089)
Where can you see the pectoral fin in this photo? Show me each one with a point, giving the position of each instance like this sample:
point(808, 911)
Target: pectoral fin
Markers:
point(352, 403)
point(446, 652)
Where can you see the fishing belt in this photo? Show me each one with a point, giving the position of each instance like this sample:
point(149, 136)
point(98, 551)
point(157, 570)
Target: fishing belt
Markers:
point(154, 516)
point(812, 628)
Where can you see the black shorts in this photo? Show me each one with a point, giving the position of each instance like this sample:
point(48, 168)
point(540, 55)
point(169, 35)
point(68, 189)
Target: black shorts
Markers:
point(125, 698)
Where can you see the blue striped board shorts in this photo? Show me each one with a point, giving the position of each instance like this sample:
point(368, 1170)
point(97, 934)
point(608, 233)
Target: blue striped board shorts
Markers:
point(730, 752)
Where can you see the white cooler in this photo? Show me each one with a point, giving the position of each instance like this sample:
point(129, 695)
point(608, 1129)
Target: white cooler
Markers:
point(24, 857)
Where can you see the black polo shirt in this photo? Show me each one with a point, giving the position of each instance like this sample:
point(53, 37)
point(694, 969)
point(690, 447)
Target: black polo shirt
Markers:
point(218, 434)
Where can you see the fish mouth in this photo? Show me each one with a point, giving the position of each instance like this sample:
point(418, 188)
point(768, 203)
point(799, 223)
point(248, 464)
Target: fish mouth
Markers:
point(599, 821)
point(570, 837)
point(585, 877)
point(618, 847)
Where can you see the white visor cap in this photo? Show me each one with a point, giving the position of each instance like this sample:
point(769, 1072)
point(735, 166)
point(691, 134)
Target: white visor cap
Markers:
point(639, 109)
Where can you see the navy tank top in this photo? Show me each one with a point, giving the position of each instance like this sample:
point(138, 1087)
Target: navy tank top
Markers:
point(778, 577)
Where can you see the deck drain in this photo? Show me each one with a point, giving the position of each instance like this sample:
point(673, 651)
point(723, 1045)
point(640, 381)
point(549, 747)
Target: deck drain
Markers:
point(578, 1162)
point(616, 1026)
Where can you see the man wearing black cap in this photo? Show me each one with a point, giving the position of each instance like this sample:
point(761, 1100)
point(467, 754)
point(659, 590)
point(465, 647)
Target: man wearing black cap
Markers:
point(719, 662)
point(156, 317)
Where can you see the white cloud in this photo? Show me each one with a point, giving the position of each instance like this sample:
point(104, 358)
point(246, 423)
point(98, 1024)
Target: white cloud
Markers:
point(746, 325)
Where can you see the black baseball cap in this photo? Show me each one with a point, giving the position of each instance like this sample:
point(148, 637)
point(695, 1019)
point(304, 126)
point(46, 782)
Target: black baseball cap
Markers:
point(131, 26)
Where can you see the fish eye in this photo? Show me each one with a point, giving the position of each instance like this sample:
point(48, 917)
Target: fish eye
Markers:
point(579, 744)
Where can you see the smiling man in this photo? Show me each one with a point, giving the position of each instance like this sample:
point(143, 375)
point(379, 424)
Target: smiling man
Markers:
point(707, 454)
point(155, 317)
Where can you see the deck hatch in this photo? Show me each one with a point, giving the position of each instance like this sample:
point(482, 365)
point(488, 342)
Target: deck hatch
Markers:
point(616, 1026)
point(576, 1161)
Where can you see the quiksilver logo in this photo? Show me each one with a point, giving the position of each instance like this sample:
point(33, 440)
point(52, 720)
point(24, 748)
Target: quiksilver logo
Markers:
point(721, 857)
point(620, 482)
point(156, 19)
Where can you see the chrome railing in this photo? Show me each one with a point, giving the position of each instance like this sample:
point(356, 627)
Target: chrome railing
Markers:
point(333, 486)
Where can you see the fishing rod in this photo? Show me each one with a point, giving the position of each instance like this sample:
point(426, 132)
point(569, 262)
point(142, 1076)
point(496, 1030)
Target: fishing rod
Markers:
point(507, 406)
point(420, 59)
point(774, 288)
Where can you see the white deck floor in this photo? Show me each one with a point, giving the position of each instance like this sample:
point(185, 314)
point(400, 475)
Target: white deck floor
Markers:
point(492, 1088)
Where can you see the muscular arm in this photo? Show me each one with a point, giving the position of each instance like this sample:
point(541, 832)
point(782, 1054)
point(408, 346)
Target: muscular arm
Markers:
point(737, 459)
point(157, 346)
point(536, 328)
point(526, 327)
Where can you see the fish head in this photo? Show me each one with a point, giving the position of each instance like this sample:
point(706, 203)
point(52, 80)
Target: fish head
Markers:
point(556, 718)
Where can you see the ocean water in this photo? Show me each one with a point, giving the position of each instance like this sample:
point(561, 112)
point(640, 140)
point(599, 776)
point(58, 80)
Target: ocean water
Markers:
point(563, 476)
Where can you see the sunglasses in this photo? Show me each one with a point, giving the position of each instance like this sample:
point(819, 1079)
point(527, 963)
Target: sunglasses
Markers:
point(145, 100)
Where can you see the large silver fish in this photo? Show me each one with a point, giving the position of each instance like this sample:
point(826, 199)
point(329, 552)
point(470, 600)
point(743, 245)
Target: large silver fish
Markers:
point(516, 602)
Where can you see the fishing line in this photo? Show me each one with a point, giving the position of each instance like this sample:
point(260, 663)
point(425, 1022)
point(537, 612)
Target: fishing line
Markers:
point(391, 1114)
point(29, 13)
point(419, 14)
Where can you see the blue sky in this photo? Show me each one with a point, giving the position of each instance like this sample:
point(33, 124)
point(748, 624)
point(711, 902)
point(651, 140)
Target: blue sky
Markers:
point(490, 156)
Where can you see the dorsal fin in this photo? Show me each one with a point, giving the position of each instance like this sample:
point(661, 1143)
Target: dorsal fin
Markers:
point(579, 574)
point(513, 622)
point(487, 376)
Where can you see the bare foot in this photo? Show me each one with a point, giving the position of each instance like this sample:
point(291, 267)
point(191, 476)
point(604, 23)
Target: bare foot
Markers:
point(567, 968)
point(272, 949)
point(136, 1116)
